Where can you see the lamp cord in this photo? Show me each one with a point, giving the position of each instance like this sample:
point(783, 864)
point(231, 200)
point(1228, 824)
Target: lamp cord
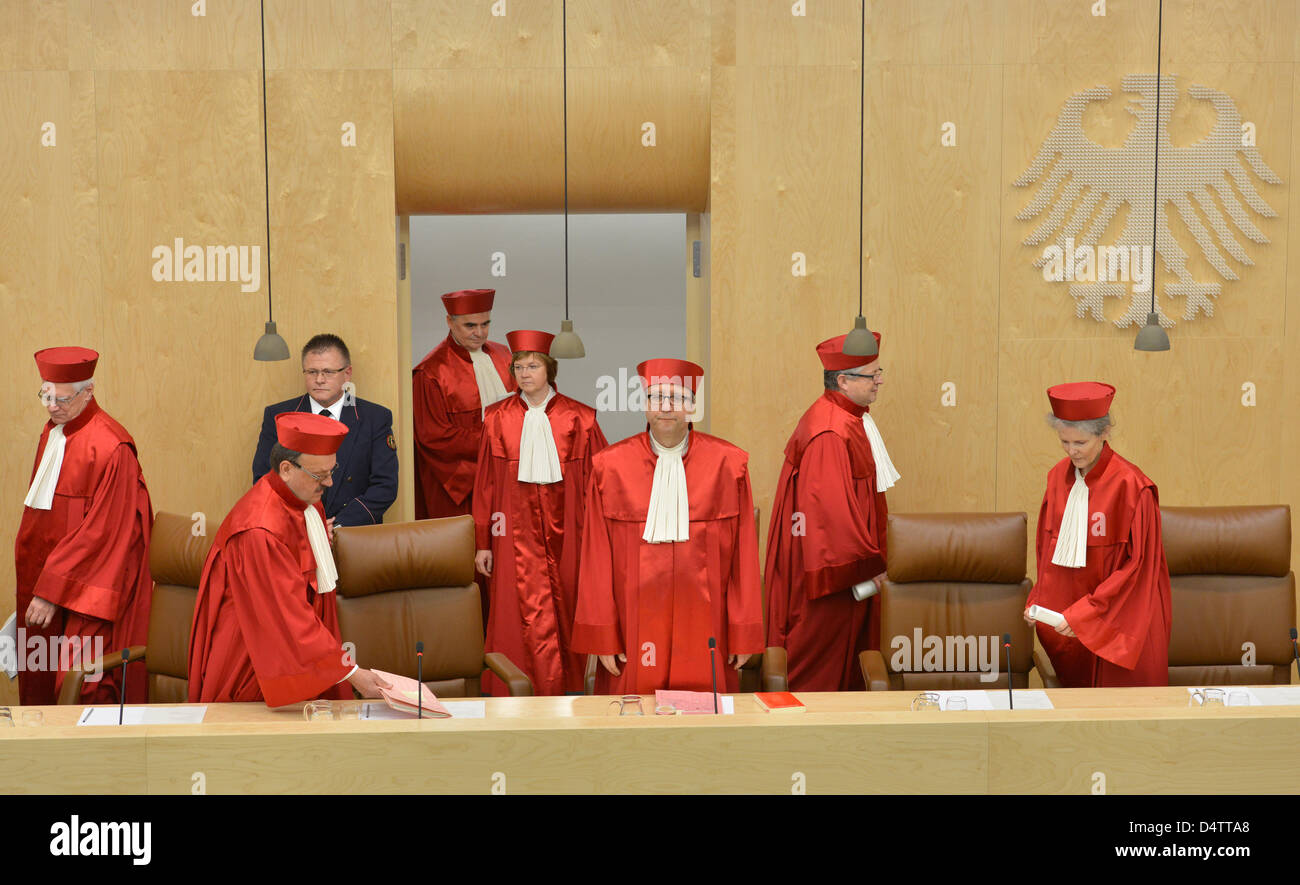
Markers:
point(1155, 184)
point(266, 170)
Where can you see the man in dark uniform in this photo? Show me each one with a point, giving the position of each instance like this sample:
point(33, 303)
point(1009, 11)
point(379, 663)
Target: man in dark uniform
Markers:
point(365, 480)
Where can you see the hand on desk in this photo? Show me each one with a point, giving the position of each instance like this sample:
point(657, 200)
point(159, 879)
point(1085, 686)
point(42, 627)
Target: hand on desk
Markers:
point(367, 683)
point(607, 661)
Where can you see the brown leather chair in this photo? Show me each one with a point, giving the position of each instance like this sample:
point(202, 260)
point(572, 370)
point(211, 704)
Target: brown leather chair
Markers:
point(414, 581)
point(176, 557)
point(765, 671)
point(1232, 584)
point(959, 577)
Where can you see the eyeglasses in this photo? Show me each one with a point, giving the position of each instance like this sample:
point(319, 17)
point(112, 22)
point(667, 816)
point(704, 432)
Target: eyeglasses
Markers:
point(531, 367)
point(320, 479)
point(327, 374)
point(874, 376)
point(675, 399)
point(49, 399)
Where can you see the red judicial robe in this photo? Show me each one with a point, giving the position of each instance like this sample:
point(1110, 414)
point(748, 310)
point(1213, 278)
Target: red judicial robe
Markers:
point(260, 630)
point(1118, 604)
point(88, 555)
point(534, 583)
point(448, 423)
point(827, 534)
point(660, 603)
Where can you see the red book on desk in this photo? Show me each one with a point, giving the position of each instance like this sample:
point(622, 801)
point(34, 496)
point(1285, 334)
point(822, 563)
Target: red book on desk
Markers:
point(779, 702)
point(402, 694)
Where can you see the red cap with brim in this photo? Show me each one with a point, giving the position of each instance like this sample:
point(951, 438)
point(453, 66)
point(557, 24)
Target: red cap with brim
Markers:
point(682, 373)
point(66, 365)
point(834, 359)
point(469, 301)
point(1081, 400)
point(530, 339)
point(308, 433)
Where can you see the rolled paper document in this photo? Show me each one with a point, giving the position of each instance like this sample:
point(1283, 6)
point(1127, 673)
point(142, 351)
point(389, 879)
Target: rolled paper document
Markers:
point(1045, 616)
point(864, 590)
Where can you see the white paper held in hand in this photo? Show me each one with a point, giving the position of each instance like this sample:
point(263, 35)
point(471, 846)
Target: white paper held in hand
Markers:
point(1045, 616)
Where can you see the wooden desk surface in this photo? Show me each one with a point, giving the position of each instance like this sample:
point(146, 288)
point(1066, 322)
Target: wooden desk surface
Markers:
point(1133, 740)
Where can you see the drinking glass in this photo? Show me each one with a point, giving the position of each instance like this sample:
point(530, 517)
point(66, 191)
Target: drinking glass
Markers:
point(926, 700)
point(318, 710)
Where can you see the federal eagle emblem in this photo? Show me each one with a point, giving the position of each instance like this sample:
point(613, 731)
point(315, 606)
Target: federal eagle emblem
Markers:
point(1081, 186)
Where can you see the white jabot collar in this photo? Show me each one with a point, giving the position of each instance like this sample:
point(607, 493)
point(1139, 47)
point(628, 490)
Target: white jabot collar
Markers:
point(41, 495)
point(327, 574)
point(1072, 540)
point(490, 388)
point(668, 518)
point(539, 460)
point(886, 475)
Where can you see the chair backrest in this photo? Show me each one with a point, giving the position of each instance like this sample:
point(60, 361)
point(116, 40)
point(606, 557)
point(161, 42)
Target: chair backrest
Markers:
point(406, 582)
point(955, 583)
point(1233, 594)
point(176, 556)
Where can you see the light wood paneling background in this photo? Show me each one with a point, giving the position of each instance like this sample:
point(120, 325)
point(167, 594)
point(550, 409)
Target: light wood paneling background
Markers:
point(158, 120)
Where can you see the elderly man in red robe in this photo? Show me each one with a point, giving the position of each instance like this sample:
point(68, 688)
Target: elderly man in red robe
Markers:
point(81, 555)
point(453, 386)
point(265, 620)
point(1101, 556)
point(533, 468)
point(827, 537)
point(669, 550)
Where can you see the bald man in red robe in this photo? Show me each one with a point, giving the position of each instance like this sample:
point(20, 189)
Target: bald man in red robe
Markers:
point(826, 540)
point(265, 620)
point(669, 551)
point(81, 555)
point(1101, 555)
point(533, 468)
point(453, 385)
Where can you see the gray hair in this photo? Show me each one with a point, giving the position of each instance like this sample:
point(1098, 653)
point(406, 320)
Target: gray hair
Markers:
point(280, 454)
point(831, 379)
point(1092, 426)
point(78, 386)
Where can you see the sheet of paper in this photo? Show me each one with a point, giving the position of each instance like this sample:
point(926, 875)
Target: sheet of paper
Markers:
point(9, 647)
point(470, 709)
point(1255, 701)
point(143, 715)
point(976, 699)
point(1277, 695)
point(466, 709)
point(695, 702)
point(1026, 699)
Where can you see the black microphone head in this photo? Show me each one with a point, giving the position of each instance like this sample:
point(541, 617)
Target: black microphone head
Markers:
point(126, 655)
point(1006, 638)
point(1293, 634)
point(419, 647)
point(713, 643)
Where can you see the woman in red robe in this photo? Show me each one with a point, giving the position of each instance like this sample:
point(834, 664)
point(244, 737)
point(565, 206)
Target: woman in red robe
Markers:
point(1101, 560)
point(533, 466)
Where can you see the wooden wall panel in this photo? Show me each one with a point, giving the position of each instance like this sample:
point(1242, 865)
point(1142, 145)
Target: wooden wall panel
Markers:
point(33, 35)
point(931, 245)
point(180, 156)
point(328, 34)
point(151, 35)
point(456, 34)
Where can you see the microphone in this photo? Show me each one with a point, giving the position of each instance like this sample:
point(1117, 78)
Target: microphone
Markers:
point(121, 698)
point(1295, 651)
point(419, 680)
point(1006, 643)
point(713, 667)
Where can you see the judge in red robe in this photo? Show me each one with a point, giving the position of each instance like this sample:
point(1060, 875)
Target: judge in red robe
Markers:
point(826, 540)
point(1101, 558)
point(452, 386)
point(533, 467)
point(265, 620)
point(81, 554)
point(669, 550)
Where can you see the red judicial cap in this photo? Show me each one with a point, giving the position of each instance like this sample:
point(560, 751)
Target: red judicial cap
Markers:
point(308, 433)
point(669, 371)
point(834, 359)
point(1080, 400)
point(64, 365)
point(469, 301)
point(530, 339)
